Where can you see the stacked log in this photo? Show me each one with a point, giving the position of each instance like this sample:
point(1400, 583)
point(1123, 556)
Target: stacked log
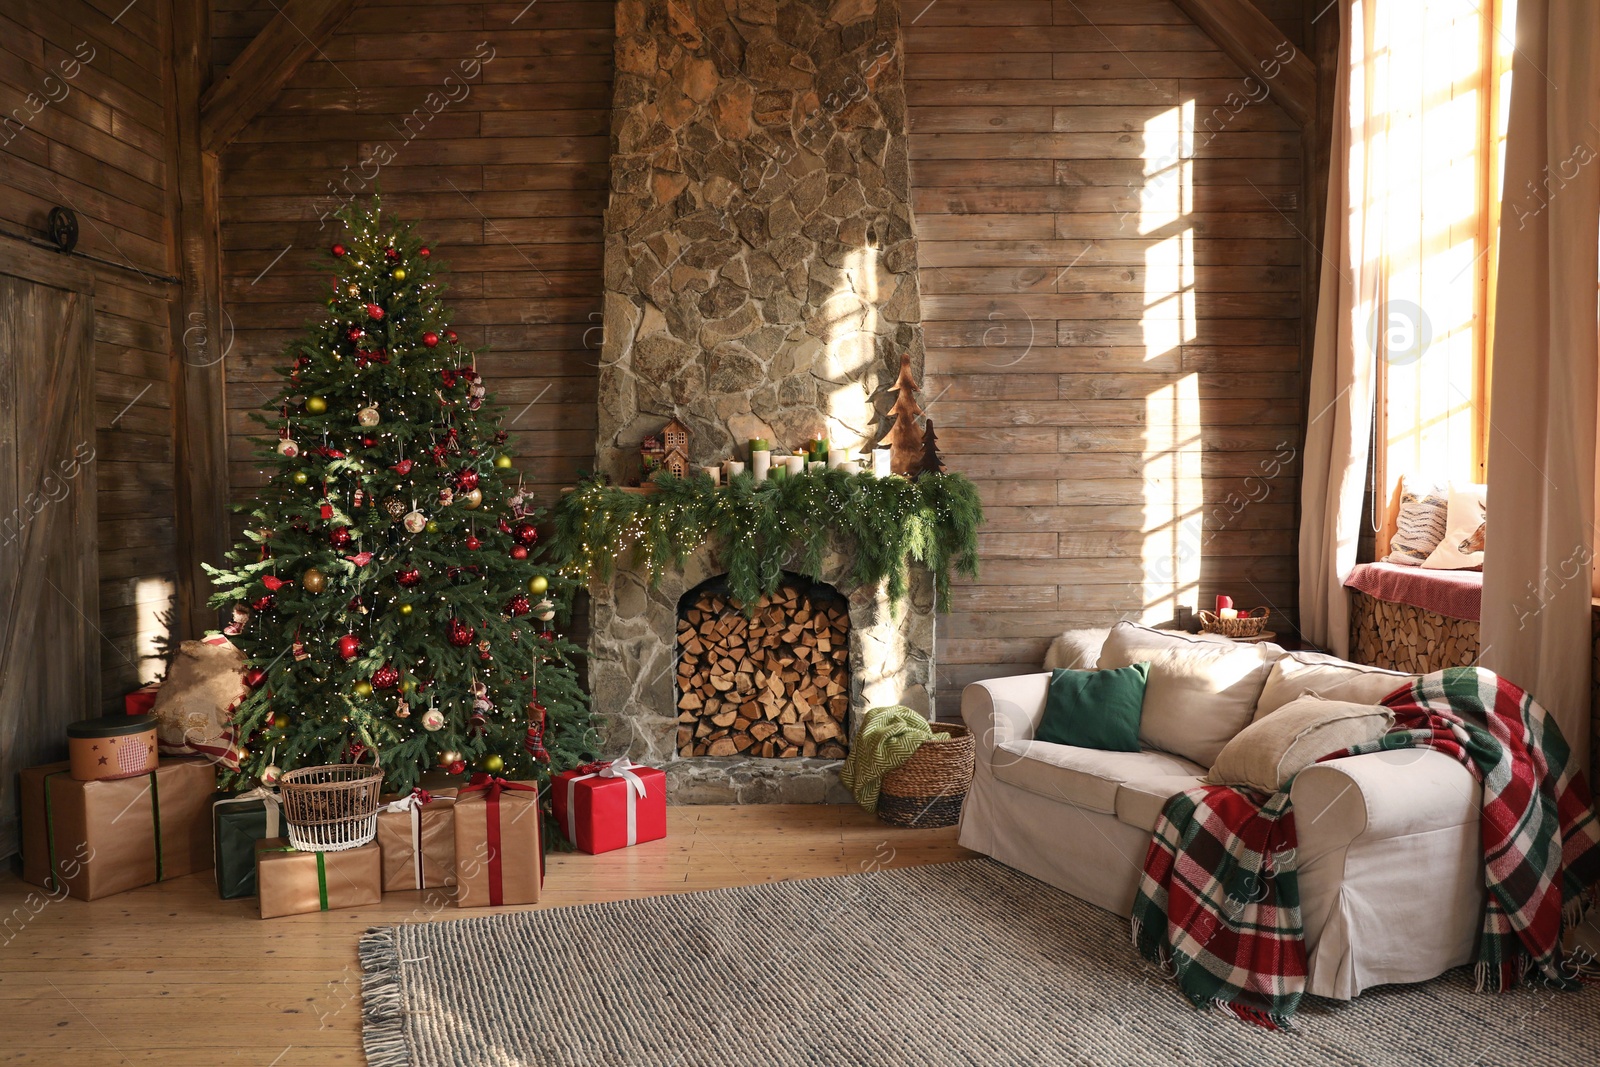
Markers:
point(774, 685)
point(1401, 637)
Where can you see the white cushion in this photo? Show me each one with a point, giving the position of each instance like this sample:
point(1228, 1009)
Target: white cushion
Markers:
point(1075, 650)
point(1464, 516)
point(1141, 800)
point(1298, 674)
point(1200, 692)
point(1086, 777)
point(1272, 750)
point(1420, 525)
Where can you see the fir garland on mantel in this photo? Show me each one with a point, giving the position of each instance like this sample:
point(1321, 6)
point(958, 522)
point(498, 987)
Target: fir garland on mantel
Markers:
point(886, 523)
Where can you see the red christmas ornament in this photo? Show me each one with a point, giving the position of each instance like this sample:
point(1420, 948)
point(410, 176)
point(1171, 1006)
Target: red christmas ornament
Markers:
point(466, 479)
point(262, 603)
point(338, 250)
point(254, 677)
point(450, 335)
point(385, 677)
point(518, 552)
point(408, 577)
point(458, 767)
point(390, 253)
point(274, 583)
point(423, 252)
point(340, 536)
point(473, 544)
point(461, 635)
point(430, 338)
point(505, 527)
point(374, 312)
point(349, 646)
point(402, 468)
point(527, 533)
point(519, 605)
point(355, 333)
point(534, 742)
point(368, 441)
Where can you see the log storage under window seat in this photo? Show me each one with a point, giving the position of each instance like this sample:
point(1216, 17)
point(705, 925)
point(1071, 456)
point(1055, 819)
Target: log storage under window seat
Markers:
point(1414, 619)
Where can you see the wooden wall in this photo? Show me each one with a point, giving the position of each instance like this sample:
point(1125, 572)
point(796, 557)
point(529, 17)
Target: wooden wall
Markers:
point(510, 183)
point(1113, 344)
point(98, 147)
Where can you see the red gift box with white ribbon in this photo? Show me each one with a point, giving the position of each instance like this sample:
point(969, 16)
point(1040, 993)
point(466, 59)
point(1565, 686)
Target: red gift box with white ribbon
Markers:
point(607, 806)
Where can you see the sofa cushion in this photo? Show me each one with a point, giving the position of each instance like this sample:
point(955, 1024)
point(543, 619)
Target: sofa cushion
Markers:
point(1201, 691)
point(1095, 709)
point(1076, 650)
point(1298, 674)
point(1140, 800)
point(1087, 777)
point(1270, 751)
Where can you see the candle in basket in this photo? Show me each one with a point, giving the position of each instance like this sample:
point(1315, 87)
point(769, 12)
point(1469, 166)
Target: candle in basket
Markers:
point(1228, 613)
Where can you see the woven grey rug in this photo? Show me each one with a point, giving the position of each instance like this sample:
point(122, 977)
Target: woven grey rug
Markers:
point(960, 963)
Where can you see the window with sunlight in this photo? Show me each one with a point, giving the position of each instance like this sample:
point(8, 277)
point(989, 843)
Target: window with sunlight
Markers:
point(1439, 88)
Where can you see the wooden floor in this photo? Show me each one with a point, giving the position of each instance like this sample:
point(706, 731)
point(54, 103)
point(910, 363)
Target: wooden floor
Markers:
point(171, 975)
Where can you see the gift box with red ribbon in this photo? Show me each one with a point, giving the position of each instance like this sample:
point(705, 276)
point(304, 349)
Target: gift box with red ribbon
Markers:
point(499, 856)
point(607, 806)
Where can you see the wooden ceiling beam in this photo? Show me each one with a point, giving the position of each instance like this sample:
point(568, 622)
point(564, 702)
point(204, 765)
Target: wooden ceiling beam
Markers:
point(1251, 40)
point(298, 30)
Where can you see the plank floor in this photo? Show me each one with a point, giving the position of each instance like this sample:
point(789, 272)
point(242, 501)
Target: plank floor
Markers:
point(171, 975)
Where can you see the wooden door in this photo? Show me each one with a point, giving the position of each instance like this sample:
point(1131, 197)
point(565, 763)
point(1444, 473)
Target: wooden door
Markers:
point(49, 559)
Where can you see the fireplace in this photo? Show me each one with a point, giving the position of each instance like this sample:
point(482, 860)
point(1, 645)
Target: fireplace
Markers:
point(772, 683)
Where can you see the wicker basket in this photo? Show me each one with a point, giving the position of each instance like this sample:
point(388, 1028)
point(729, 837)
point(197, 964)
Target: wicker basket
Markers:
point(1248, 624)
point(928, 789)
point(330, 809)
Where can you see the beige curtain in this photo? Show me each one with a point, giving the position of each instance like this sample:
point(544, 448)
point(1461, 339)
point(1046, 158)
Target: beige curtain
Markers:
point(1536, 581)
point(1339, 416)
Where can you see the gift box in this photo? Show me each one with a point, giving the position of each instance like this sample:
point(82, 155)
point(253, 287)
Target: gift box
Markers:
point(237, 823)
point(142, 701)
point(417, 837)
point(104, 837)
point(499, 857)
point(607, 806)
point(291, 882)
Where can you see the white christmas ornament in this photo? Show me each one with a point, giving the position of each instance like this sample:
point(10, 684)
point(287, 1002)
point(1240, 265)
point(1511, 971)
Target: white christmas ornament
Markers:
point(544, 610)
point(416, 521)
point(270, 774)
point(367, 416)
point(288, 447)
point(432, 719)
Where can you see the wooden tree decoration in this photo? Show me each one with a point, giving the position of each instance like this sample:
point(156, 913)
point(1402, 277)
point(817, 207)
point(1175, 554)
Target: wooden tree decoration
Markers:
point(905, 437)
point(932, 462)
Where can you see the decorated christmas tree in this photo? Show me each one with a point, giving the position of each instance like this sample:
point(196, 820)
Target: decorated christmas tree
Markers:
point(388, 596)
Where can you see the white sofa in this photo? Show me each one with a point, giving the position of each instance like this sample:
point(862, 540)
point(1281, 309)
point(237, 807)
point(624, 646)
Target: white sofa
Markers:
point(1389, 855)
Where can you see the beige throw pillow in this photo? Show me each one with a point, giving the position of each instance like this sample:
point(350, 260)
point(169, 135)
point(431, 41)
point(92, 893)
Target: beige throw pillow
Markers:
point(1269, 752)
point(1420, 527)
point(1462, 546)
point(1200, 692)
point(194, 706)
point(1300, 674)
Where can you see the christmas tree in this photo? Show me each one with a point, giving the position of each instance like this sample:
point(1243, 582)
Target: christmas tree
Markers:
point(932, 462)
point(905, 438)
point(388, 595)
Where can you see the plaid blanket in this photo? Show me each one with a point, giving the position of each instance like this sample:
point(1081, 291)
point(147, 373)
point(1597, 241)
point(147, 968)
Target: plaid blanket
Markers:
point(1219, 900)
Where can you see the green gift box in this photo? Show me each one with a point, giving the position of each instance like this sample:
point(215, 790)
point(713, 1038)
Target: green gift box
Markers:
point(237, 824)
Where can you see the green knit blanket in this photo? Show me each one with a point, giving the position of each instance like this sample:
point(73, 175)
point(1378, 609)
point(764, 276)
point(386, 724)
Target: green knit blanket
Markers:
point(887, 738)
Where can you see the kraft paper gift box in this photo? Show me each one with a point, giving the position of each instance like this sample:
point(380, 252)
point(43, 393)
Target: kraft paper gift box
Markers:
point(607, 806)
point(237, 824)
point(113, 835)
point(291, 882)
point(417, 837)
point(499, 856)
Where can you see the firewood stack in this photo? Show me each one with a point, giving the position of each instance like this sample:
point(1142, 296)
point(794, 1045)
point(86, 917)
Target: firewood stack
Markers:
point(775, 685)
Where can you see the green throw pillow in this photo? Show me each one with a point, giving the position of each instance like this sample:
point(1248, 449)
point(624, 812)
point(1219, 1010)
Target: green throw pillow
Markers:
point(1095, 709)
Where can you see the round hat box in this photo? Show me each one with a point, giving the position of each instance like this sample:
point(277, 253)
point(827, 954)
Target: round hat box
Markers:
point(112, 746)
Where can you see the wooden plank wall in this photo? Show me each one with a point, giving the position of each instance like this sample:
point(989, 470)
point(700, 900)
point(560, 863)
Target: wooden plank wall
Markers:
point(97, 147)
point(510, 183)
point(1113, 354)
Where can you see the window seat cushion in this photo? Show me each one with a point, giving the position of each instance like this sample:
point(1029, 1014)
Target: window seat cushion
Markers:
point(1455, 594)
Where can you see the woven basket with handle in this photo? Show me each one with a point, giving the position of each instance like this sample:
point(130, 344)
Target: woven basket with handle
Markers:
point(331, 808)
point(929, 788)
point(1248, 624)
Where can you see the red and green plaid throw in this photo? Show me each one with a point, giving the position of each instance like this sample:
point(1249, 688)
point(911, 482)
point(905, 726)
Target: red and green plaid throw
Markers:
point(1219, 901)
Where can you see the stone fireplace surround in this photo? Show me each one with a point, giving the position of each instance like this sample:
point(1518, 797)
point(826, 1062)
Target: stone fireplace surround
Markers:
point(760, 281)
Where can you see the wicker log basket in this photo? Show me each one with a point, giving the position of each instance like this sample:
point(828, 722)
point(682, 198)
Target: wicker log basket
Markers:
point(929, 788)
point(331, 808)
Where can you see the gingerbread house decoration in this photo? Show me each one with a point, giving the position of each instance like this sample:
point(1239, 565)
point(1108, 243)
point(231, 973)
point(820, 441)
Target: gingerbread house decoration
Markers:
point(675, 443)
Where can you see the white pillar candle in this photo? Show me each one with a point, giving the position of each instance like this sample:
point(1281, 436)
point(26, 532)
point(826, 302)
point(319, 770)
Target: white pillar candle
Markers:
point(731, 468)
point(796, 465)
point(837, 458)
point(1228, 613)
point(715, 473)
point(850, 466)
point(816, 466)
point(880, 463)
point(760, 464)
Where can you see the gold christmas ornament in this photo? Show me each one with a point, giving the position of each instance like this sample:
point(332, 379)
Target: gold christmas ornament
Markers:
point(472, 499)
point(363, 688)
point(316, 405)
point(399, 274)
point(395, 508)
point(405, 609)
point(538, 584)
point(313, 580)
point(503, 461)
